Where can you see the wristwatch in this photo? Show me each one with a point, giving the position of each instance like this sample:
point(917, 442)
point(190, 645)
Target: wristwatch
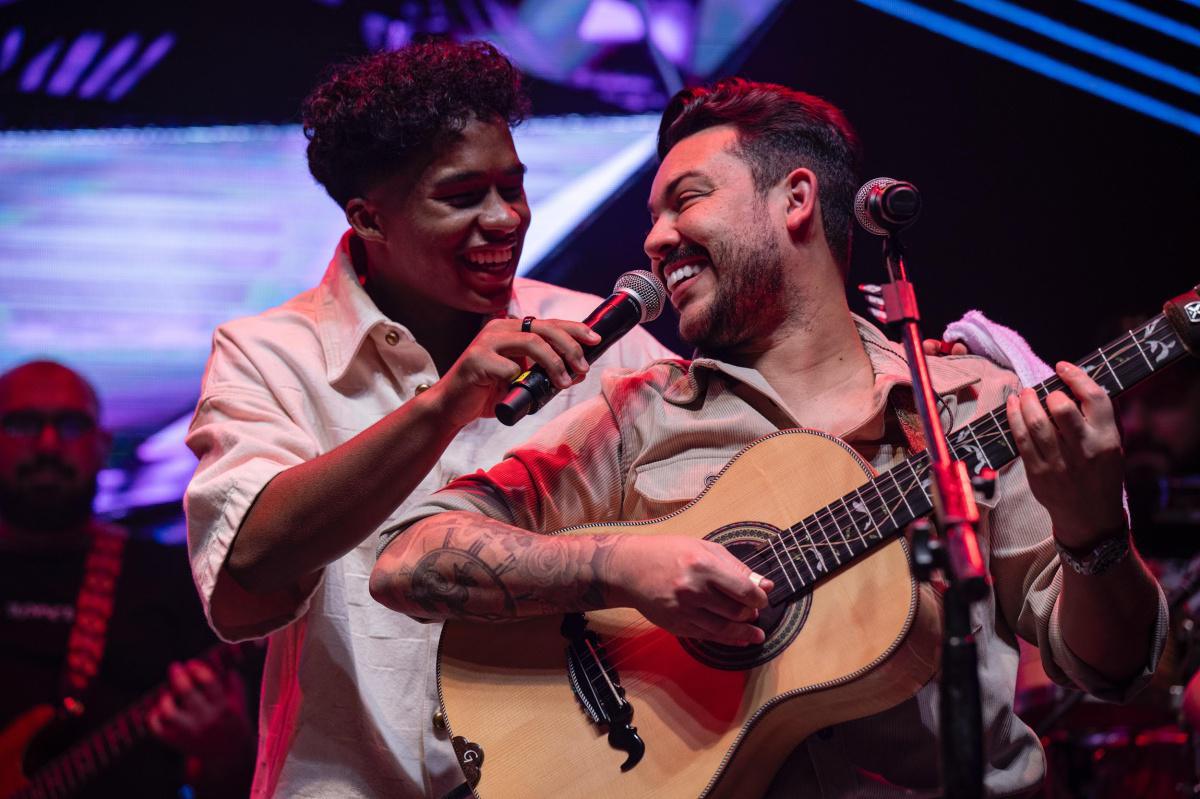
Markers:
point(1100, 558)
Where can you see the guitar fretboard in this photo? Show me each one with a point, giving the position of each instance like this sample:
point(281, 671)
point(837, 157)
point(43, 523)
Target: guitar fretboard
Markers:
point(818, 545)
point(66, 774)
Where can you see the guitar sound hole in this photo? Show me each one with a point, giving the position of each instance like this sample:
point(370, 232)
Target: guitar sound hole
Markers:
point(770, 616)
point(747, 541)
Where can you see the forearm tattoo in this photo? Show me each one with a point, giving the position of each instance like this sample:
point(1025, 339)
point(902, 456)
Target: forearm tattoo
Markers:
point(483, 569)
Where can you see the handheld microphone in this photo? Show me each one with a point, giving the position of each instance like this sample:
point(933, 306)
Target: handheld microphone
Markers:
point(885, 206)
point(637, 297)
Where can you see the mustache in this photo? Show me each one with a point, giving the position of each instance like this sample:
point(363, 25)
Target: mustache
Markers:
point(681, 252)
point(44, 463)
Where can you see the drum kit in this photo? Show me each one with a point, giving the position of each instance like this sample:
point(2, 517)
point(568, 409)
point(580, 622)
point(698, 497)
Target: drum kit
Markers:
point(1147, 748)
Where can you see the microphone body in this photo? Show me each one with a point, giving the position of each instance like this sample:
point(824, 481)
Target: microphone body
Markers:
point(884, 206)
point(638, 297)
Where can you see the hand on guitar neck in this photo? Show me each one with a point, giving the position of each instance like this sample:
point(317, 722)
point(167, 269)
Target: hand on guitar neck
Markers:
point(202, 714)
point(1071, 449)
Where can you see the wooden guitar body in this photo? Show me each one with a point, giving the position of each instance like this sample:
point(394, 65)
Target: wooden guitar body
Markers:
point(715, 721)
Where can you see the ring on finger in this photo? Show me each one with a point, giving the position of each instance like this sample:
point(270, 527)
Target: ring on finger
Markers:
point(527, 324)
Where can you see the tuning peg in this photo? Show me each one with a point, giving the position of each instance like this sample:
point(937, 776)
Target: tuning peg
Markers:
point(873, 294)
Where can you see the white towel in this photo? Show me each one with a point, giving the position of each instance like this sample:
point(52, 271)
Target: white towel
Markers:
point(999, 344)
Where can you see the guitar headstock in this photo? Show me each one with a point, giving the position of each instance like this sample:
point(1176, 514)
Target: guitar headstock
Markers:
point(1183, 312)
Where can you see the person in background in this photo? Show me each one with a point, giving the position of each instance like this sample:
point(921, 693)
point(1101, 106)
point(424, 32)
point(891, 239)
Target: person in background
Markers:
point(92, 618)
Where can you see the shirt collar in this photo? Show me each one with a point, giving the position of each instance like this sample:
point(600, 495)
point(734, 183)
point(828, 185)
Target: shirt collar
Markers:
point(346, 314)
point(887, 361)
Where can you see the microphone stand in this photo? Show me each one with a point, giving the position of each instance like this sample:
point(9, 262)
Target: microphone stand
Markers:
point(955, 552)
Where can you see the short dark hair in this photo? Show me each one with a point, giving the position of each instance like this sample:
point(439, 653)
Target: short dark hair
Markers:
point(778, 129)
point(374, 115)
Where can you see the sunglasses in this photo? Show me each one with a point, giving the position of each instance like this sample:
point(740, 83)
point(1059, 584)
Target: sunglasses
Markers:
point(69, 425)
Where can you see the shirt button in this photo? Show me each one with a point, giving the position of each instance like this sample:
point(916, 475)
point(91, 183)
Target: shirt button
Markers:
point(392, 337)
point(439, 721)
point(422, 388)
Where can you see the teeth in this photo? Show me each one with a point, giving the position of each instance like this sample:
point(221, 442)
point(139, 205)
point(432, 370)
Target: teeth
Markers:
point(486, 257)
point(682, 273)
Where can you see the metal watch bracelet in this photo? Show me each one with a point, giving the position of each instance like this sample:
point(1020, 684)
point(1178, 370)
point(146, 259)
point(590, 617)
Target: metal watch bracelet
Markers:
point(1101, 558)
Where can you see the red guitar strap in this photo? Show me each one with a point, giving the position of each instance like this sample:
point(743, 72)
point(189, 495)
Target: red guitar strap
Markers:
point(93, 609)
point(905, 408)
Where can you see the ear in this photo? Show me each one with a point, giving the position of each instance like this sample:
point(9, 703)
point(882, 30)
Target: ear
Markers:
point(801, 188)
point(364, 218)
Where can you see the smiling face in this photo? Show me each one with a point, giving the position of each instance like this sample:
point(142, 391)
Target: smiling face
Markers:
point(451, 235)
point(714, 243)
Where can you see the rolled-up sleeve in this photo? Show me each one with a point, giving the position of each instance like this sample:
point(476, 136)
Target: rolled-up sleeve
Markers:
point(568, 473)
point(1028, 579)
point(243, 438)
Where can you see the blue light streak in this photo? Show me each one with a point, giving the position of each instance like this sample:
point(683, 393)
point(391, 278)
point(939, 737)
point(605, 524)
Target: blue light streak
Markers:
point(1148, 19)
point(1037, 62)
point(1087, 43)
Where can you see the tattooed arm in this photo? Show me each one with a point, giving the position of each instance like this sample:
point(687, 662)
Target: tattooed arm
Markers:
point(465, 565)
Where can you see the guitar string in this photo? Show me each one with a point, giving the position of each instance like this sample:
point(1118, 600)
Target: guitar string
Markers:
point(619, 652)
point(987, 434)
point(984, 437)
point(997, 429)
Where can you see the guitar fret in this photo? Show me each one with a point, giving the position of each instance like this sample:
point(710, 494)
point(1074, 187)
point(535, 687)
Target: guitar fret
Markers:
point(1111, 371)
point(982, 450)
point(830, 544)
point(866, 510)
point(815, 547)
point(1000, 420)
point(886, 509)
point(857, 530)
point(779, 560)
point(917, 478)
point(843, 541)
point(903, 498)
point(797, 550)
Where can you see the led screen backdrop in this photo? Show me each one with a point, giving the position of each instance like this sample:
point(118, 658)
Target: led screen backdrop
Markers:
point(120, 251)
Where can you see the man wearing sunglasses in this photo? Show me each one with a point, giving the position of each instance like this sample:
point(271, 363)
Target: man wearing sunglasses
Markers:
point(91, 618)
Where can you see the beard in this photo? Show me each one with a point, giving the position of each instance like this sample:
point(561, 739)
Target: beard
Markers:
point(748, 303)
point(47, 506)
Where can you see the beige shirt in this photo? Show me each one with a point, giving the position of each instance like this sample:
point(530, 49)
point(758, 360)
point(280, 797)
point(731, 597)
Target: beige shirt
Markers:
point(348, 691)
point(649, 445)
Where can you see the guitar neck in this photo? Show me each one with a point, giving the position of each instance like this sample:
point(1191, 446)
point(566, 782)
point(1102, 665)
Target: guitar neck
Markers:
point(68, 772)
point(881, 508)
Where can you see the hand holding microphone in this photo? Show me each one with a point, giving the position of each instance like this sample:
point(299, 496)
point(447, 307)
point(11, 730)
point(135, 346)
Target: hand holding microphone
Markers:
point(637, 297)
point(481, 382)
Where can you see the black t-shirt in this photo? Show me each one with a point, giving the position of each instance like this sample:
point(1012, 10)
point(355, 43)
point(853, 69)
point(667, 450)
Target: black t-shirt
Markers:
point(156, 620)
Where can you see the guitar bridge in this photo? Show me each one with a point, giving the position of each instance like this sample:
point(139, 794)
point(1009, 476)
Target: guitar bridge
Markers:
point(597, 686)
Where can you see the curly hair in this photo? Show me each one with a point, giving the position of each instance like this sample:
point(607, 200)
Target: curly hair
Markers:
point(374, 115)
point(779, 129)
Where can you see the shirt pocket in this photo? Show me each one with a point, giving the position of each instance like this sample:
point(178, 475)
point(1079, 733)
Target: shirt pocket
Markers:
point(663, 487)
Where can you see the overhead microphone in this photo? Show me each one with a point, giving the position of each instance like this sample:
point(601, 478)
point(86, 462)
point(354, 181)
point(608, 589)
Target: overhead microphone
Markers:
point(885, 206)
point(637, 297)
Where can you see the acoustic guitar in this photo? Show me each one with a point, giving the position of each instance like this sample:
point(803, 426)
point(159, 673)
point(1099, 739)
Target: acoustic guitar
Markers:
point(605, 705)
point(71, 770)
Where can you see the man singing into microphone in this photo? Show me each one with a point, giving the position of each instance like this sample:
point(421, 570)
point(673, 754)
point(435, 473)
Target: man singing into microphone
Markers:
point(320, 421)
point(751, 215)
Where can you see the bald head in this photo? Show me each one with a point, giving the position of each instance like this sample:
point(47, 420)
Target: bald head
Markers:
point(51, 448)
point(37, 379)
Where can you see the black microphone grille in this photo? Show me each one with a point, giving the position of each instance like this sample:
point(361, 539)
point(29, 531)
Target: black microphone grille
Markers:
point(646, 289)
point(860, 204)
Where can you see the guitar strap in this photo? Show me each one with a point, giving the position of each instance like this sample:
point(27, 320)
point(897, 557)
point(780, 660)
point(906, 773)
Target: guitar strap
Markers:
point(93, 609)
point(905, 409)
